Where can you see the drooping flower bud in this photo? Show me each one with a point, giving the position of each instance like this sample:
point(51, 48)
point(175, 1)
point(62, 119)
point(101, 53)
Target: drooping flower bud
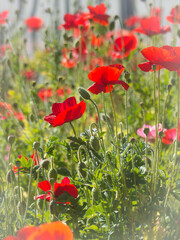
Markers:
point(84, 93)
point(22, 208)
point(53, 207)
point(11, 139)
point(52, 175)
point(45, 163)
point(10, 176)
point(81, 167)
point(94, 142)
point(36, 145)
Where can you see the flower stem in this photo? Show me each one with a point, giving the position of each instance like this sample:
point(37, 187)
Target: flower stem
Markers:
point(126, 111)
point(178, 109)
point(115, 119)
point(73, 128)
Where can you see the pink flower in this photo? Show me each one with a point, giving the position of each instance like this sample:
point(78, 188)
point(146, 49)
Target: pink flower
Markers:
point(152, 132)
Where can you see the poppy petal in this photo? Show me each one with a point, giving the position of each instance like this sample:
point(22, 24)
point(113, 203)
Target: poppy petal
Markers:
point(65, 180)
point(96, 88)
point(71, 189)
point(44, 185)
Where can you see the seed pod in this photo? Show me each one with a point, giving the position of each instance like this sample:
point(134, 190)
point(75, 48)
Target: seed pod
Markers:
point(81, 167)
point(52, 174)
point(11, 139)
point(21, 208)
point(94, 142)
point(45, 163)
point(36, 145)
point(18, 164)
point(53, 207)
point(146, 131)
point(111, 26)
point(84, 93)
point(10, 176)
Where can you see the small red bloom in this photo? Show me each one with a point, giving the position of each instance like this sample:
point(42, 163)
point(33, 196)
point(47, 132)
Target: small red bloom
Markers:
point(124, 45)
point(34, 23)
point(45, 94)
point(174, 16)
point(59, 189)
point(29, 74)
point(3, 17)
point(65, 112)
point(106, 76)
point(96, 41)
point(155, 12)
point(170, 135)
point(53, 231)
point(4, 48)
point(151, 26)
point(132, 21)
point(98, 14)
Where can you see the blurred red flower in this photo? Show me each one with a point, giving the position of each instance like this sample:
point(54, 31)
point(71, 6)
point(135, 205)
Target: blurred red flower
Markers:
point(4, 48)
point(155, 12)
point(34, 23)
point(96, 41)
point(132, 21)
point(3, 17)
point(53, 231)
point(29, 74)
point(98, 14)
point(106, 76)
point(61, 91)
point(6, 111)
point(65, 112)
point(152, 132)
point(151, 26)
point(123, 46)
point(174, 16)
point(45, 94)
point(59, 189)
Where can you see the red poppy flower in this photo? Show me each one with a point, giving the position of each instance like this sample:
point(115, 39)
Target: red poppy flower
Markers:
point(124, 45)
point(155, 12)
point(174, 15)
point(45, 94)
point(151, 26)
point(3, 17)
point(75, 20)
point(170, 135)
point(147, 67)
point(29, 74)
point(152, 132)
point(106, 76)
point(166, 56)
point(34, 23)
point(96, 41)
point(65, 112)
point(132, 21)
point(4, 48)
point(98, 14)
point(61, 91)
point(59, 189)
point(53, 231)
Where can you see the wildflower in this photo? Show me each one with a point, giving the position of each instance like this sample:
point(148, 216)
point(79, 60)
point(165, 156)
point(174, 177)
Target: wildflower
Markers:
point(106, 76)
point(34, 23)
point(45, 94)
point(155, 12)
point(132, 21)
point(170, 135)
point(59, 189)
point(96, 41)
point(152, 132)
point(53, 231)
point(151, 26)
point(3, 17)
point(65, 112)
point(174, 16)
point(98, 14)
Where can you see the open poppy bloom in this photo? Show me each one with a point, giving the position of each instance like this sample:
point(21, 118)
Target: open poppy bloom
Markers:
point(124, 45)
point(166, 56)
point(65, 112)
point(34, 23)
point(155, 12)
point(105, 77)
point(3, 17)
point(152, 132)
point(59, 189)
point(54, 231)
point(132, 21)
point(170, 135)
point(98, 14)
point(151, 26)
point(174, 16)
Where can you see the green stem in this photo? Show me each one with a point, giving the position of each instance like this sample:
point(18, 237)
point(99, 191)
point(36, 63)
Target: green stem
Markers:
point(126, 112)
point(73, 128)
point(146, 159)
point(178, 109)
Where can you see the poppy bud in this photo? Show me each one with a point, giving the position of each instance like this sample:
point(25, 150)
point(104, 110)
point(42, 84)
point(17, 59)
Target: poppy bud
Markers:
point(111, 25)
point(173, 81)
point(52, 174)
point(126, 74)
point(146, 131)
point(81, 167)
point(53, 207)
point(169, 87)
point(21, 208)
point(77, 44)
point(161, 134)
point(45, 163)
point(84, 93)
point(11, 139)
point(116, 17)
point(105, 117)
point(80, 27)
point(132, 140)
point(94, 142)
point(154, 66)
point(33, 83)
point(18, 164)
point(36, 145)
point(95, 194)
point(10, 176)
point(178, 33)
